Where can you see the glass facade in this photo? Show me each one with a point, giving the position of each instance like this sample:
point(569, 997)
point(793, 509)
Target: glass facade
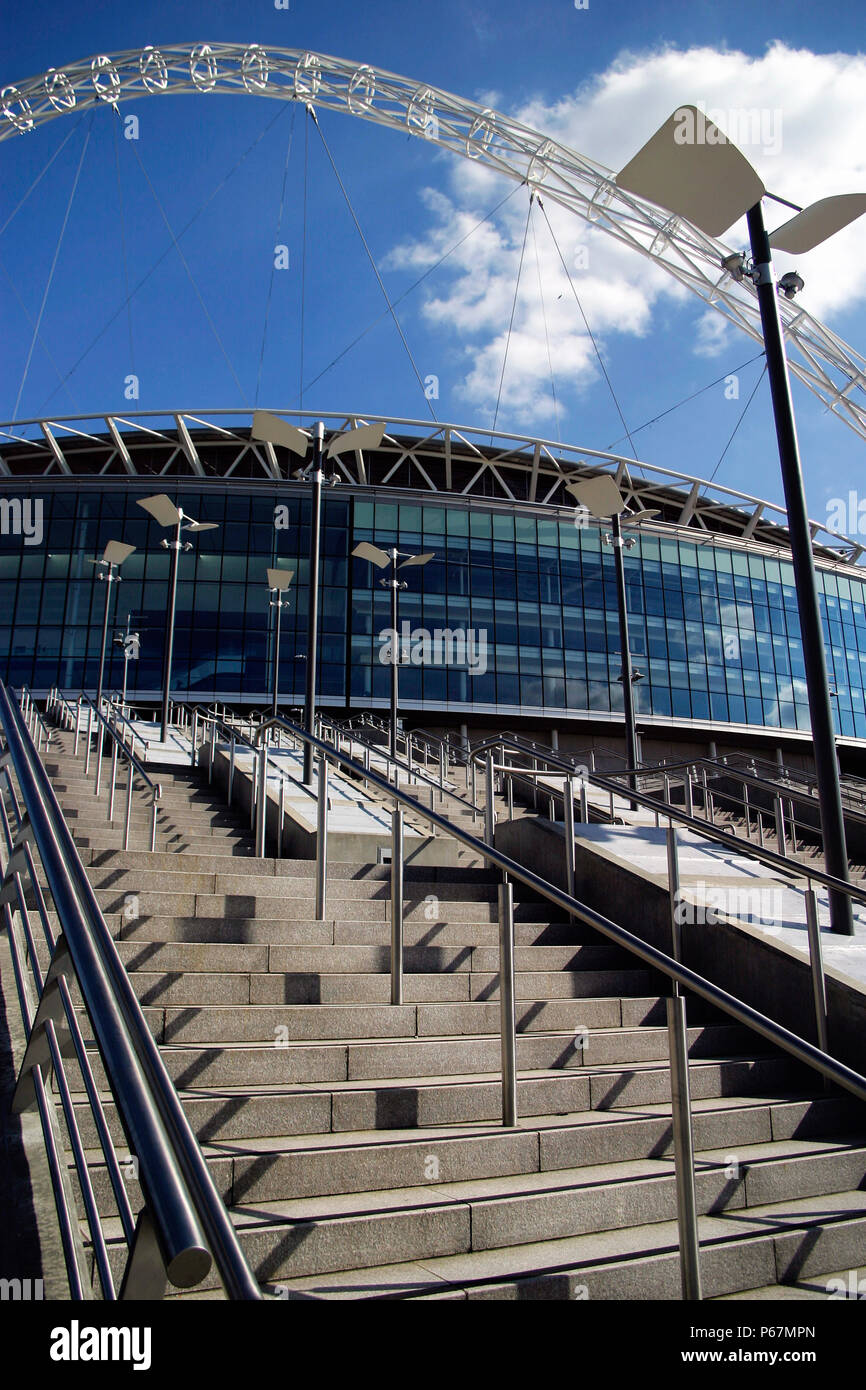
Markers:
point(713, 627)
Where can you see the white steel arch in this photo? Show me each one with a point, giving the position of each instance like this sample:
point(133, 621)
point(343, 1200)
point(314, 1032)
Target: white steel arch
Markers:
point(832, 370)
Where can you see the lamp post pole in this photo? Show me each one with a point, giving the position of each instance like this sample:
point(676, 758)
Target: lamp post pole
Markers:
point(316, 479)
point(278, 603)
point(109, 578)
point(175, 547)
point(823, 735)
point(395, 586)
point(625, 647)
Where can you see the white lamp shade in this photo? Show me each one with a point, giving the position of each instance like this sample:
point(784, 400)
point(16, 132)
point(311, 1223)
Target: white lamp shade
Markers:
point(366, 551)
point(818, 222)
point(272, 430)
point(161, 508)
point(116, 552)
point(690, 167)
point(364, 437)
point(418, 559)
point(600, 495)
point(280, 579)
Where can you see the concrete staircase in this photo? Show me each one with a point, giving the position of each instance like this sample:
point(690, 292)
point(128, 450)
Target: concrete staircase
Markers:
point(358, 1145)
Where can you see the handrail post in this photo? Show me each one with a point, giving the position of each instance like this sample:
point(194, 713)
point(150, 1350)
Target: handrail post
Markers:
point(684, 1149)
point(113, 779)
point(397, 905)
point(193, 737)
point(89, 733)
point(77, 727)
point(128, 808)
point(690, 804)
point(282, 816)
point(779, 813)
point(153, 801)
point(674, 891)
point(584, 802)
point(510, 790)
point(489, 808)
point(568, 799)
point(231, 769)
point(322, 840)
point(474, 796)
point(507, 1021)
point(213, 734)
point(816, 962)
point(262, 806)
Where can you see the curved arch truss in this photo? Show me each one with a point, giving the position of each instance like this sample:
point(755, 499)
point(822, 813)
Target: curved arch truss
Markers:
point(443, 459)
point(832, 370)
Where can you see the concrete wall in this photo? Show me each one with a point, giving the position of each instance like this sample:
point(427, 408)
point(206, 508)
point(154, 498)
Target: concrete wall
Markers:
point(732, 955)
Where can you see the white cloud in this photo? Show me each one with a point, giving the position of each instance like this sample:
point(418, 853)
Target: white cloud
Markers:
point(808, 140)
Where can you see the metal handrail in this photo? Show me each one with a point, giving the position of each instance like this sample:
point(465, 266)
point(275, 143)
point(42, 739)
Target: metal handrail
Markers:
point(775, 1033)
point(136, 767)
point(410, 768)
point(710, 832)
point(852, 787)
point(721, 769)
point(183, 1214)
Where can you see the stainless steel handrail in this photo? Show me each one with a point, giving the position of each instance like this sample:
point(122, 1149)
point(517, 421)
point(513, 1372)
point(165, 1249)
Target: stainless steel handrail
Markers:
point(136, 768)
point(735, 842)
point(184, 1213)
point(775, 1033)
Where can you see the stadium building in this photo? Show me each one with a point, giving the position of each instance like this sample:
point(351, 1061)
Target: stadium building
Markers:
point(521, 589)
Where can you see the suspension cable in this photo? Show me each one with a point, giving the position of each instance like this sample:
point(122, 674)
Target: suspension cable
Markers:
point(158, 262)
point(273, 261)
point(373, 263)
point(511, 320)
point(186, 266)
point(123, 249)
point(38, 323)
point(68, 136)
point(546, 334)
point(686, 399)
point(589, 331)
point(429, 271)
point(42, 343)
point(304, 264)
point(739, 422)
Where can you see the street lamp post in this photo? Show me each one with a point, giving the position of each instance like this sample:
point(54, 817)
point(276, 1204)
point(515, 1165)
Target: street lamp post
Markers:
point(383, 558)
point(163, 510)
point(278, 584)
point(271, 430)
point(709, 181)
point(601, 497)
point(130, 642)
point(112, 558)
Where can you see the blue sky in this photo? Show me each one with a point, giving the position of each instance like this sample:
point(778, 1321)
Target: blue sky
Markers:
point(600, 79)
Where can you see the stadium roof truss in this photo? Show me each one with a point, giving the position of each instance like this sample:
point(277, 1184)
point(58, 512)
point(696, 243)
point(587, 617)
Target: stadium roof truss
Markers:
point(440, 459)
point(835, 372)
